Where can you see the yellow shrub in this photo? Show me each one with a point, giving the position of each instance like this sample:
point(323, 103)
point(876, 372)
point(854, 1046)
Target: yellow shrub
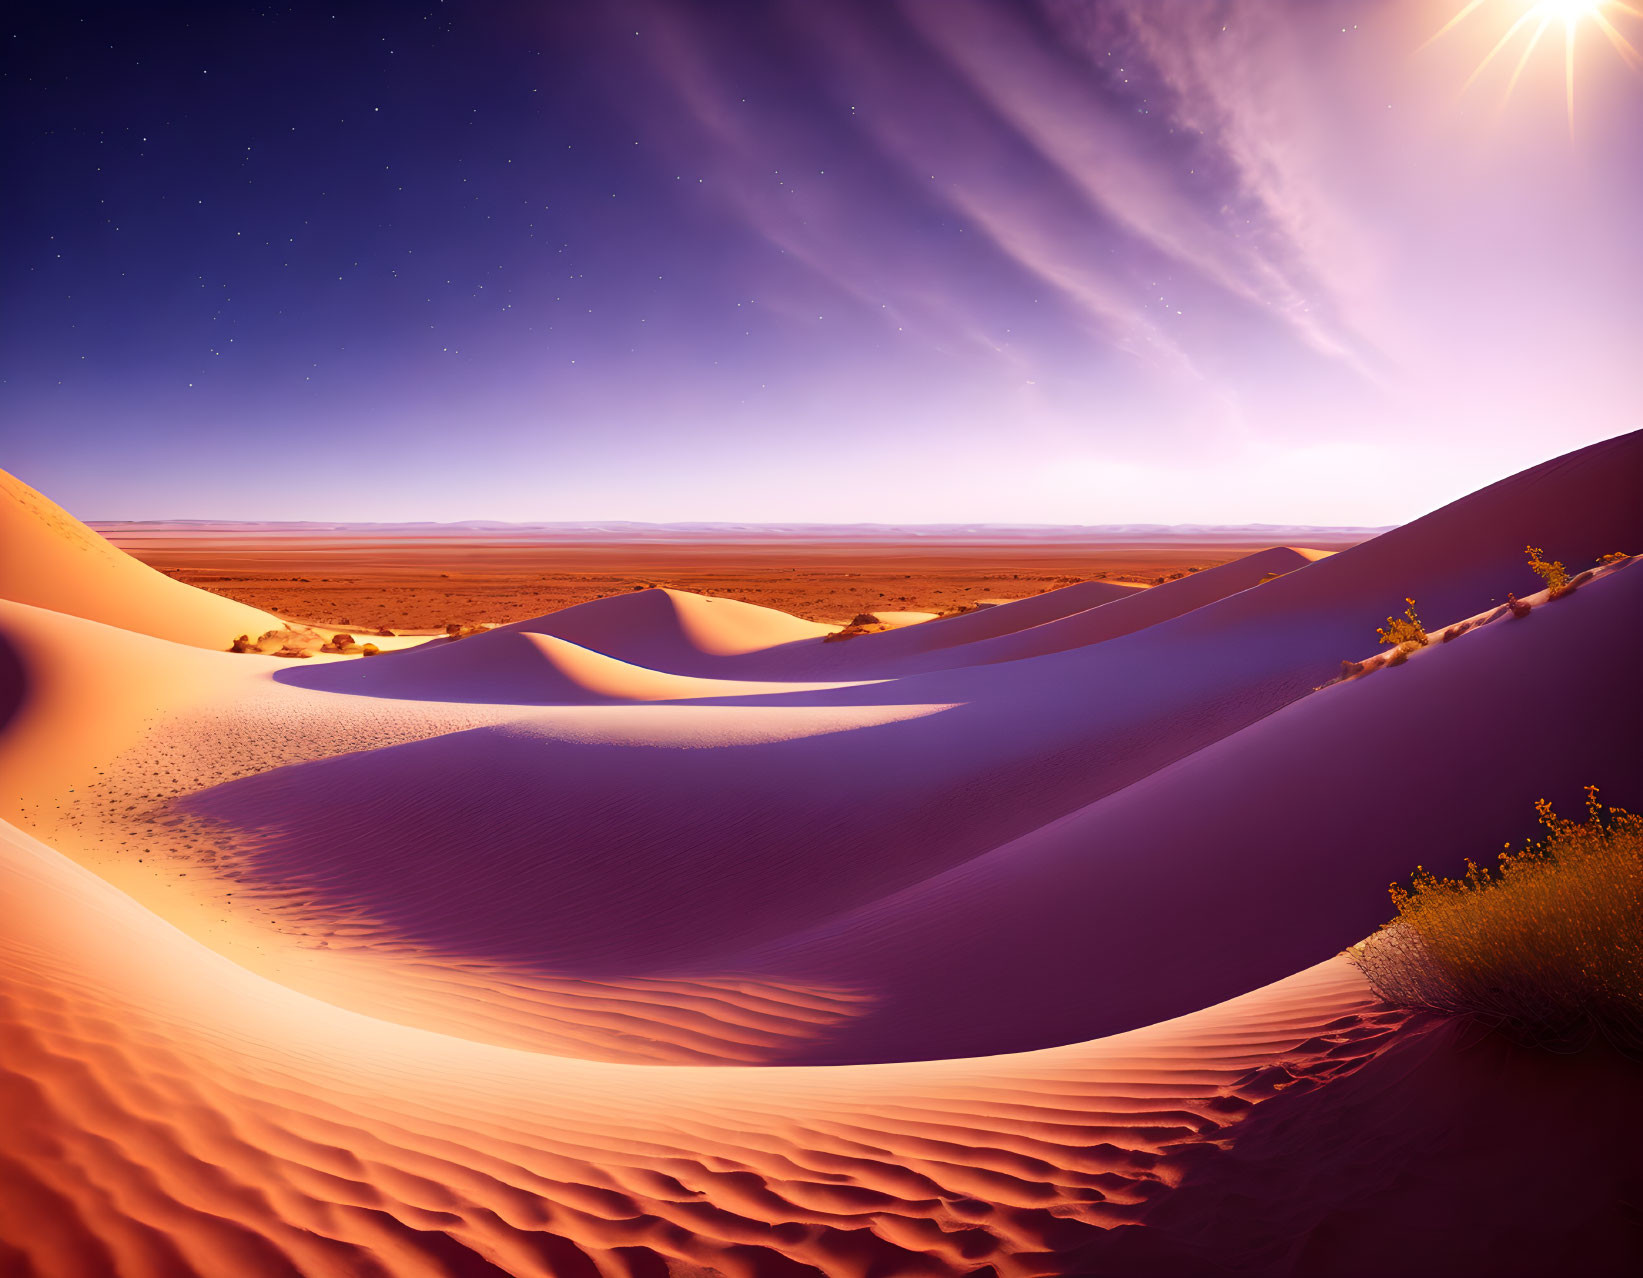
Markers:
point(1549, 943)
point(1554, 574)
point(1406, 629)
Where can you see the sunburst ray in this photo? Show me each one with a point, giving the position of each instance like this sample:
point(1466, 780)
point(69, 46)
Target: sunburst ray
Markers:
point(1537, 17)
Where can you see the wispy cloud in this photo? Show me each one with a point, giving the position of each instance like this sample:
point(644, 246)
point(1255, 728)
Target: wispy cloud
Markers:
point(1123, 160)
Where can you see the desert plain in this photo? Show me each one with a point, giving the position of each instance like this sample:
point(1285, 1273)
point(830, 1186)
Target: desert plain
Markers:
point(428, 577)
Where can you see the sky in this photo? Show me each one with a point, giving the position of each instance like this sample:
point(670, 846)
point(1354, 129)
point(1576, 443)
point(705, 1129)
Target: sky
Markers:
point(1045, 261)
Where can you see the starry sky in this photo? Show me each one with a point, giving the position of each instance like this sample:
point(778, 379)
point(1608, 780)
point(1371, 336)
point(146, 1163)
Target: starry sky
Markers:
point(1047, 261)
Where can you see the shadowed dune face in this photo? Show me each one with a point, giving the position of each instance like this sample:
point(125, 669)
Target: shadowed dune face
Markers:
point(1289, 869)
point(438, 961)
point(11, 681)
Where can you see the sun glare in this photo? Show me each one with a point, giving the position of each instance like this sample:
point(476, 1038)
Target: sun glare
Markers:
point(1529, 22)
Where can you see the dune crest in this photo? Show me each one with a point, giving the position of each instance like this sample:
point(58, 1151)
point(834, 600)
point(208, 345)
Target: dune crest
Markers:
point(671, 630)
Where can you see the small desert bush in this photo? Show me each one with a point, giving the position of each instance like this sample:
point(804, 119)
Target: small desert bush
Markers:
point(1403, 630)
point(1548, 944)
point(1553, 573)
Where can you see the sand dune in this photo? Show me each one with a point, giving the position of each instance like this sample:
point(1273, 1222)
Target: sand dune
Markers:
point(73, 692)
point(1057, 620)
point(517, 666)
point(1146, 608)
point(1018, 614)
point(440, 960)
point(672, 629)
point(339, 1143)
point(636, 874)
point(170, 1114)
point(54, 561)
point(1102, 885)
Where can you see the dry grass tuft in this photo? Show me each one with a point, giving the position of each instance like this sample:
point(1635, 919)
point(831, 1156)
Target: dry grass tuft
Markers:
point(1548, 944)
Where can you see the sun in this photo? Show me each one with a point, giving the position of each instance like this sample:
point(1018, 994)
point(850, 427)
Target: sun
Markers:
point(1529, 21)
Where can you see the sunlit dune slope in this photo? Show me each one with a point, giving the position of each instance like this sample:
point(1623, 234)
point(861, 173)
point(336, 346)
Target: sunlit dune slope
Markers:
point(54, 561)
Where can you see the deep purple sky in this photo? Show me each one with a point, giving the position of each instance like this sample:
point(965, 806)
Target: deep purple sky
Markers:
point(1155, 260)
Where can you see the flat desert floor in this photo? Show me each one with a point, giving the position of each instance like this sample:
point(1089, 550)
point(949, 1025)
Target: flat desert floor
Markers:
point(422, 580)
